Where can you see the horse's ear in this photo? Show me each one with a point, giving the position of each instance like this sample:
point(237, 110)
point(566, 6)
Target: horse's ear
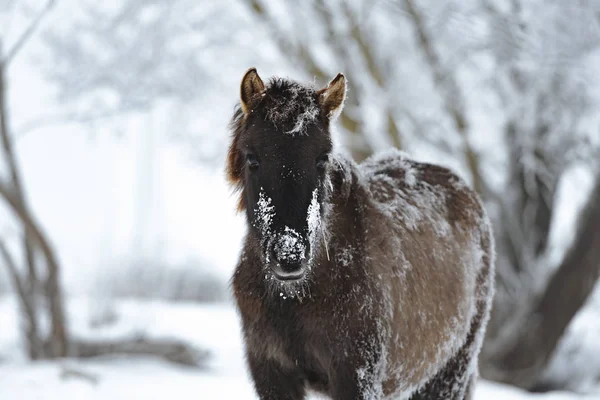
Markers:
point(331, 98)
point(251, 86)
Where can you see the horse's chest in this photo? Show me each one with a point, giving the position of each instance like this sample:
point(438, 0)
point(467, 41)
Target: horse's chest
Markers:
point(298, 341)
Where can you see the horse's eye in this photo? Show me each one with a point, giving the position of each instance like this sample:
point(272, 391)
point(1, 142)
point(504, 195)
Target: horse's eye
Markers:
point(322, 161)
point(252, 161)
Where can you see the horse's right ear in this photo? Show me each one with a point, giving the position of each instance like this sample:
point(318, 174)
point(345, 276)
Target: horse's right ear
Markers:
point(251, 86)
point(332, 97)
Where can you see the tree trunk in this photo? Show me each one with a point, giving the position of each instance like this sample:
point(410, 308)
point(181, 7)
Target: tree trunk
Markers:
point(27, 303)
point(30, 285)
point(53, 290)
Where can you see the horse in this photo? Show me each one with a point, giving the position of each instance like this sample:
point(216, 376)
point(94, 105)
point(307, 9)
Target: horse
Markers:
point(355, 281)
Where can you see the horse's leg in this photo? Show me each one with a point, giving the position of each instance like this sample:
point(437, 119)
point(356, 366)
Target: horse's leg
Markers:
point(273, 382)
point(452, 382)
point(456, 379)
point(355, 376)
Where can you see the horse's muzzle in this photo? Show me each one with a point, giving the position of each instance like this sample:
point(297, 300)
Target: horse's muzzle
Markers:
point(288, 256)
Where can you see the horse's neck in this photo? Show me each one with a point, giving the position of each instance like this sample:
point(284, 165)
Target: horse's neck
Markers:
point(345, 214)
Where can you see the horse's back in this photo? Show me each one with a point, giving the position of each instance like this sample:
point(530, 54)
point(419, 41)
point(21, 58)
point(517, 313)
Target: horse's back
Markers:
point(436, 245)
point(421, 189)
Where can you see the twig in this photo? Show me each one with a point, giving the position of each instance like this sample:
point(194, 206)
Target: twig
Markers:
point(69, 372)
point(26, 35)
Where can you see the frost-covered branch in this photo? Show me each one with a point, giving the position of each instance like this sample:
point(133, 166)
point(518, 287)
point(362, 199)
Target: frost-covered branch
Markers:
point(144, 52)
point(451, 93)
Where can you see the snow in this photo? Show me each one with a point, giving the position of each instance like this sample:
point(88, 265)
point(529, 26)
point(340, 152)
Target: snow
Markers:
point(213, 326)
point(265, 212)
point(289, 246)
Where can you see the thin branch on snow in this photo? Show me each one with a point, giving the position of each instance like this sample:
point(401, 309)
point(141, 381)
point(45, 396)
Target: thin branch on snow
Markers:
point(174, 351)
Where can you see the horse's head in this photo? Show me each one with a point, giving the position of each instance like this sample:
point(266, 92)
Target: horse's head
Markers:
point(278, 159)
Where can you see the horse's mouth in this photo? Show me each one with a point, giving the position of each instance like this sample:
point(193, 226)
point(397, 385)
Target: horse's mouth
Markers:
point(288, 273)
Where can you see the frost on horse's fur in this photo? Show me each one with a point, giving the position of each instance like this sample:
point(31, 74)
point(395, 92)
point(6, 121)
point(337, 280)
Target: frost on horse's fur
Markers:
point(289, 246)
point(396, 260)
point(313, 219)
point(302, 113)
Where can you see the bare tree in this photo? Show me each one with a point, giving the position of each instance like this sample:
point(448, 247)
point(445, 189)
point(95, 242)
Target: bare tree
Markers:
point(39, 290)
point(34, 242)
point(547, 103)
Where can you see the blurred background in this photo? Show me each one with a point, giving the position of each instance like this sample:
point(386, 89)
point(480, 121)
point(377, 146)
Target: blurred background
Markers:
point(118, 233)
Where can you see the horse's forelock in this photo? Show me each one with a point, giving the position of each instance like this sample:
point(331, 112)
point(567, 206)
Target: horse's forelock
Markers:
point(290, 106)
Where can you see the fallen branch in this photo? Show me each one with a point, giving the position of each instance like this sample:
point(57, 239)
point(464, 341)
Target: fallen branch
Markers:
point(69, 372)
point(171, 350)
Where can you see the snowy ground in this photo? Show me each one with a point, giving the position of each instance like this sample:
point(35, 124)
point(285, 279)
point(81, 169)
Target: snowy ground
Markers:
point(213, 326)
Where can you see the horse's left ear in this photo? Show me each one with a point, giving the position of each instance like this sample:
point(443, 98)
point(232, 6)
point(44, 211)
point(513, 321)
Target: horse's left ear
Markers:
point(331, 98)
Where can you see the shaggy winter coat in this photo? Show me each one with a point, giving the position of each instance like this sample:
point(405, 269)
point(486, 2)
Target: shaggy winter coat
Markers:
point(397, 281)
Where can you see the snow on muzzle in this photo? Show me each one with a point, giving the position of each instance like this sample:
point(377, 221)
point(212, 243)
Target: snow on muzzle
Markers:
point(288, 255)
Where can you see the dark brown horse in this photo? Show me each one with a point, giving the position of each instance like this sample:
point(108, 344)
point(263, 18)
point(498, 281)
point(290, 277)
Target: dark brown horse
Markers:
point(370, 281)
